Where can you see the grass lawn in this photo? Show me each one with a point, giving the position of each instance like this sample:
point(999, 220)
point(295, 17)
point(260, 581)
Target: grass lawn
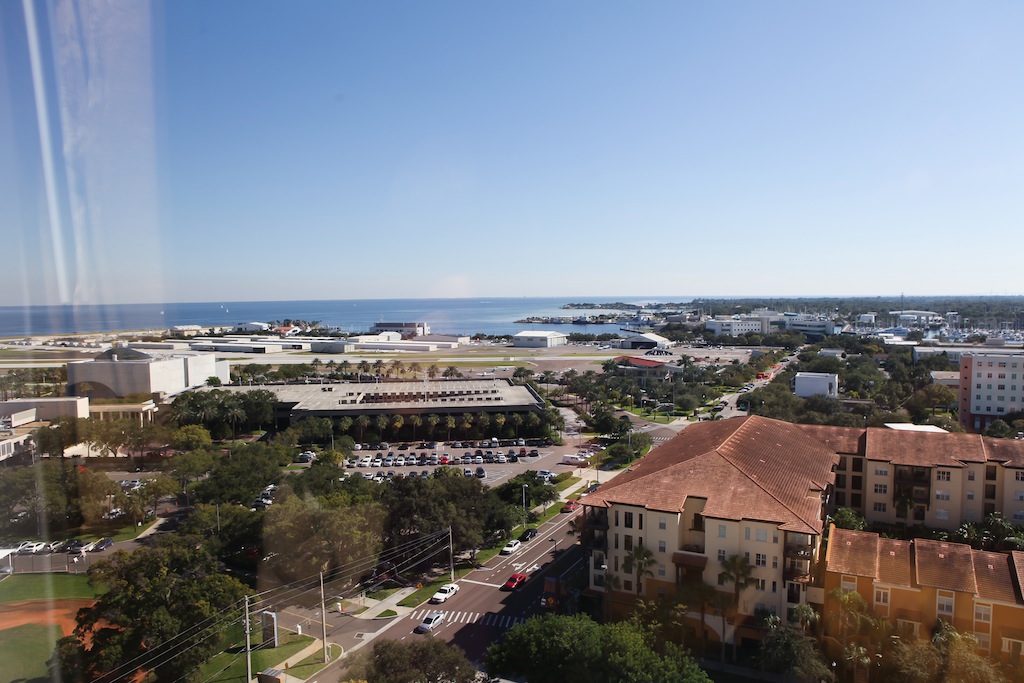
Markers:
point(563, 485)
point(313, 663)
point(22, 587)
point(25, 649)
point(387, 613)
point(229, 666)
point(381, 594)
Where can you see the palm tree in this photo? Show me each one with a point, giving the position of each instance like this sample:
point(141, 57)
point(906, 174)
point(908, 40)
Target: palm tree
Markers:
point(721, 604)
point(483, 422)
point(345, 367)
point(449, 422)
point(432, 421)
point(378, 367)
point(806, 616)
point(415, 369)
point(852, 612)
point(466, 423)
point(398, 367)
point(701, 595)
point(364, 369)
point(451, 372)
point(233, 411)
point(737, 570)
point(433, 371)
point(517, 421)
point(316, 363)
point(362, 422)
point(639, 561)
point(499, 422)
point(611, 585)
point(416, 421)
point(382, 423)
point(397, 422)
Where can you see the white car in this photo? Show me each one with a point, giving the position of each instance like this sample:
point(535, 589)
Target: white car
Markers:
point(431, 622)
point(444, 592)
point(30, 547)
point(511, 547)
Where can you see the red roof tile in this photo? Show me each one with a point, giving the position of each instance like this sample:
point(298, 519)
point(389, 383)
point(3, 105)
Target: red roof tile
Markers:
point(746, 468)
point(848, 440)
point(995, 576)
point(852, 552)
point(923, 449)
point(948, 566)
point(895, 564)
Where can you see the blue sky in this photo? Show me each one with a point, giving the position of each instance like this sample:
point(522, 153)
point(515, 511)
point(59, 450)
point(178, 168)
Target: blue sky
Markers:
point(325, 150)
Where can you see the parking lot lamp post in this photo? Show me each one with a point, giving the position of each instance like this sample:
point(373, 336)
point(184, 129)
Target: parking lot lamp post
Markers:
point(525, 511)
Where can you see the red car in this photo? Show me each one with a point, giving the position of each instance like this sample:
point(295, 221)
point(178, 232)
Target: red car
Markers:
point(514, 581)
point(571, 506)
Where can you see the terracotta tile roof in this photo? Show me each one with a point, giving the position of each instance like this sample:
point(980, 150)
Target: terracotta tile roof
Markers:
point(995, 576)
point(1007, 451)
point(640, 362)
point(746, 468)
point(923, 449)
point(948, 566)
point(895, 563)
point(849, 440)
point(1017, 562)
point(852, 552)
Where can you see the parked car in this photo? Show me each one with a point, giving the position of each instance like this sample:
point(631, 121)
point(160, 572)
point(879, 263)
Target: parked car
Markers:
point(571, 506)
point(514, 581)
point(528, 535)
point(467, 472)
point(102, 544)
point(430, 622)
point(511, 547)
point(480, 472)
point(443, 593)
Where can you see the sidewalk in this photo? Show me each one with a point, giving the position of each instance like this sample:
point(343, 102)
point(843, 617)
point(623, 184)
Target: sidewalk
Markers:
point(375, 607)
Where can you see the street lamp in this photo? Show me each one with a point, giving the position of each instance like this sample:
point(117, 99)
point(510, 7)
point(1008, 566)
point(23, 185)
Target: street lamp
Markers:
point(525, 511)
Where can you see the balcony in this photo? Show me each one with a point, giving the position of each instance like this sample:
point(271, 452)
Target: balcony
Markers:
point(694, 548)
point(799, 551)
point(793, 595)
point(797, 574)
point(596, 519)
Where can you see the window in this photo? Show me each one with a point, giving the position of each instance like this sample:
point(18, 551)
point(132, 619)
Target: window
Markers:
point(721, 579)
point(627, 520)
point(661, 570)
point(942, 475)
point(775, 535)
point(761, 560)
point(942, 514)
point(983, 613)
point(1018, 515)
point(970, 495)
point(970, 476)
point(849, 584)
point(941, 495)
point(762, 535)
point(984, 641)
point(858, 464)
point(721, 531)
point(616, 518)
point(1019, 475)
point(662, 523)
point(746, 533)
point(879, 506)
point(628, 542)
point(616, 541)
point(775, 586)
point(881, 472)
point(944, 604)
point(721, 556)
point(840, 481)
point(881, 596)
point(881, 488)
point(1019, 495)
point(759, 584)
point(775, 561)
point(661, 546)
point(627, 585)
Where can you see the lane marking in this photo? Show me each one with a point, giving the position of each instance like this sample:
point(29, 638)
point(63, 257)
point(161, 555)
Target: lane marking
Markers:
point(483, 583)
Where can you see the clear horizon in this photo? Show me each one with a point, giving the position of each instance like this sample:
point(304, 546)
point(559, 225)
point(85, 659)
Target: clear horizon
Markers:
point(198, 152)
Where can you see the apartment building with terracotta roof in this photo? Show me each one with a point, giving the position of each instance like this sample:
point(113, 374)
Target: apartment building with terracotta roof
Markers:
point(747, 486)
point(939, 480)
point(914, 583)
point(762, 489)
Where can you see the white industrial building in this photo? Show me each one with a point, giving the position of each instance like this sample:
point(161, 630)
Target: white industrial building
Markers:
point(733, 327)
point(539, 339)
point(415, 329)
point(121, 371)
point(991, 387)
point(252, 327)
point(816, 384)
point(24, 410)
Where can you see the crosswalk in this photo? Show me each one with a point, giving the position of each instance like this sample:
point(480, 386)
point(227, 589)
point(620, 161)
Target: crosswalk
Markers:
point(480, 618)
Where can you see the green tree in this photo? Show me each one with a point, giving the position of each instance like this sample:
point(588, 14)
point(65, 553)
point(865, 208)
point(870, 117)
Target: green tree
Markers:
point(784, 650)
point(737, 570)
point(419, 661)
point(190, 438)
point(638, 562)
point(213, 381)
point(184, 592)
point(846, 518)
point(433, 371)
point(561, 649)
point(416, 421)
point(451, 372)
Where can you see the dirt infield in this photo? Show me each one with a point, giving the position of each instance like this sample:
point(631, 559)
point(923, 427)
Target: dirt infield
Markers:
point(43, 613)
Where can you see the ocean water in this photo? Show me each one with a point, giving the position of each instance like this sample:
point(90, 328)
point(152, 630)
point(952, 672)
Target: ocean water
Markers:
point(444, 316)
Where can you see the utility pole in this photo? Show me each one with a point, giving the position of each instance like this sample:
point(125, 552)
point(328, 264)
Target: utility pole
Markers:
point(323, 615)
point(451, 556)
point(248, 647)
